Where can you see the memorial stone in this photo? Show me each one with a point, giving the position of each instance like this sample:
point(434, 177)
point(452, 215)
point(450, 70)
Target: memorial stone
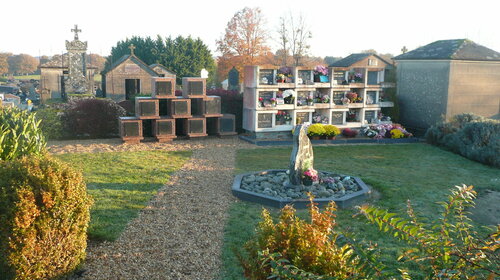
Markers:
point(76, 81)
point(302, 157)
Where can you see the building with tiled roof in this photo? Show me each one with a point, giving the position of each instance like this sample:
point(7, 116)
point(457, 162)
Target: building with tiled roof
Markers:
point(446, 78)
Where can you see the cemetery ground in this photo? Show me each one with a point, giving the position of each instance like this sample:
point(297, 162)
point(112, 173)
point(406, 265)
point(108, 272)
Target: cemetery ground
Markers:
point(191, 215)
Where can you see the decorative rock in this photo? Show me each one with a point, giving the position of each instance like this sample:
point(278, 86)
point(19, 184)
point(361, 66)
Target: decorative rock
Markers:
point(302, 156)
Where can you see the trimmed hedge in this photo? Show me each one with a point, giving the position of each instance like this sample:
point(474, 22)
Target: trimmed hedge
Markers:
point(51, 123)
point(469, 135)
point(20, 134)
point(44, 213)
point(94, 118)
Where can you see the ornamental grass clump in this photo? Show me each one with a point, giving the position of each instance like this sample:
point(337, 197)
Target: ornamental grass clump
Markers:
point(447, 247)
point(316, 130)
point(44, 215)
point(293, 248)
point(20, 134)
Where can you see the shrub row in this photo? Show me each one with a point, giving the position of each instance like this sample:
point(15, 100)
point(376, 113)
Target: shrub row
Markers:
point(469, 135)
point(81, 118)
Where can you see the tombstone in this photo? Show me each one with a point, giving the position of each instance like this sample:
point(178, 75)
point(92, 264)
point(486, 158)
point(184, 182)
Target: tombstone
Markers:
point(302, 157)
point(233, 79)
point(76, 81)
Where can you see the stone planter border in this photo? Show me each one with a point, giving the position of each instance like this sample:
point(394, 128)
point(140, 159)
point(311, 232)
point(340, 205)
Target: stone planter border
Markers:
point(342, 202)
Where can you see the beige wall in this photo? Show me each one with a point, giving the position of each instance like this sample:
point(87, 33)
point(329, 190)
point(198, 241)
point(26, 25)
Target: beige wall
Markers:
point(50, 78)
point(474, 88)
point(115, 80)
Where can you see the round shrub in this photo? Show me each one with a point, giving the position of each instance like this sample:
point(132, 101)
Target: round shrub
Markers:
point(350, 133)
point(331, 130)
point(396, 134)
point(316, 129)
point(93, 118)
point(44, 213)
point(20, 134)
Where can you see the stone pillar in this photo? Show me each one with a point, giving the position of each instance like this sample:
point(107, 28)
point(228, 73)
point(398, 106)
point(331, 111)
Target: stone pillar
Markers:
point(302, 157)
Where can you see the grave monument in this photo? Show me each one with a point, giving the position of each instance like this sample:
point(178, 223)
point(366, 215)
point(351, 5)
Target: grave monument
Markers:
point(278, 187)
point(75, 81)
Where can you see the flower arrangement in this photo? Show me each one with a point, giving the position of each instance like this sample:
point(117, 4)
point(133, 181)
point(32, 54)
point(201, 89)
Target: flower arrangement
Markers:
point(316, 130)
point(358, 77)
point(396, 133)
point(283, 116)
point(261, 101)
point(273, 100)
point(310, 175)
point(286, 71)
point(279, 94)
point(345, 101)
point(331, 130)
point(289, 96)
point(309, 99)
point(352, 96)
point(325, 99)
point(280, 78)
point(321, 70)
point(318, 118)
point(379, 131)
point(351, 116)
point(350, 133)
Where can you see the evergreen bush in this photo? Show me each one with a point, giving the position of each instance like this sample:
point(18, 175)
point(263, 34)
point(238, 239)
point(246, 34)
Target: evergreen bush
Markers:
point(20, 134)
point(44, 213)
point(471, 136)
point(51, 123)
point(94, 118)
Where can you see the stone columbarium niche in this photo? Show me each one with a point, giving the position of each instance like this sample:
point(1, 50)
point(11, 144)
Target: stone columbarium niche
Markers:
point(279, 187)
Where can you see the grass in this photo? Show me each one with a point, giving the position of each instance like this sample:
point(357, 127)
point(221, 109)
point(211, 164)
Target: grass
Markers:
point(27, 77)
point(121, 184)
point(420, 172)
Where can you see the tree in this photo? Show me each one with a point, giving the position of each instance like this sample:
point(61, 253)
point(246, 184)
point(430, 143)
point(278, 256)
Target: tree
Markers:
point(294, 37)
point(329, 60)
point(184, 56)
point(22, 64)
point(244, 41)
point(97, 61)
point(283, 52)
point(4, 64)
point(187, 57)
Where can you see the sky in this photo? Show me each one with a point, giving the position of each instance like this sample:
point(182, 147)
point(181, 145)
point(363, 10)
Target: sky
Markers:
point(339, 28)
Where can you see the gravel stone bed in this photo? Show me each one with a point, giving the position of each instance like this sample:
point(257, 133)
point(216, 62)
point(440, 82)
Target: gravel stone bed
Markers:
point(179, 234)
point(277, 185)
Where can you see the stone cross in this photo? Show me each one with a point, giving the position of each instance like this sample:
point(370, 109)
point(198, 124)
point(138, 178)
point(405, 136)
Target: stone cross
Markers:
point(76, 30)
point(132, 48)
point(404, 50)
point(302, 156)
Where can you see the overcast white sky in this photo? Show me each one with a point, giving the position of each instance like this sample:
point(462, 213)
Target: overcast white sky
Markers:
point(40, 27)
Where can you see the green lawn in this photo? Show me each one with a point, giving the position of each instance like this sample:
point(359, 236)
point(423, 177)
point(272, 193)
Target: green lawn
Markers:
point(27, 77)
point(121, 184)
point(420, 172)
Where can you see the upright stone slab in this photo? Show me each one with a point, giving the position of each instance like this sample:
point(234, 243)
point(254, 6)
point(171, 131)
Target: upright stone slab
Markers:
point(302, 156)
point(76, 81)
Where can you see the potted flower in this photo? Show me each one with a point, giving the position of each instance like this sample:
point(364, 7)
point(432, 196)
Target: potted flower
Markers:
point(331, 131)
point(285, 74)
point(352, 96)
point(358, 78)
point(316, 131)
point(309, 177)
point(321, 74)
point(289, 96)
point(345, 101)
point(325, 99)
point(273, 101)
point(349, 133)
point(310, 101)
point(261, 102)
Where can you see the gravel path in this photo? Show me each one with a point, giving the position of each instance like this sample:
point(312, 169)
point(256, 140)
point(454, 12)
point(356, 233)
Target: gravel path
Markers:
point(179, 234)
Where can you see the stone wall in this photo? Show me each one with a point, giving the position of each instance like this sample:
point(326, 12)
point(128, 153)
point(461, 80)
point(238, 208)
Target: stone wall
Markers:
point(474, 88)
point(422, 92)
point(115, 80)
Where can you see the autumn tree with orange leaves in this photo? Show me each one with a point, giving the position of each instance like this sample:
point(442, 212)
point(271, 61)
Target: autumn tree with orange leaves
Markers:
point(244, 42)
